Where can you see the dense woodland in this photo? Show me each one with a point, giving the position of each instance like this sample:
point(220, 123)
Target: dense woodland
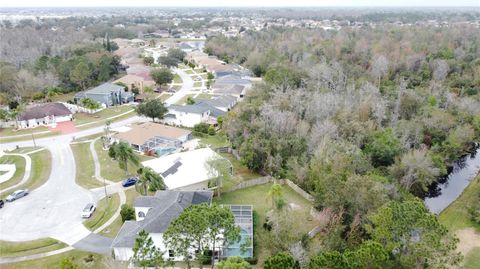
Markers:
point(366, 120)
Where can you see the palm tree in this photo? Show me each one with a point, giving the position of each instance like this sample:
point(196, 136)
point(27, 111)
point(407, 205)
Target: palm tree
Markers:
point(124, 154)
point(149, 179)
point(275, 194)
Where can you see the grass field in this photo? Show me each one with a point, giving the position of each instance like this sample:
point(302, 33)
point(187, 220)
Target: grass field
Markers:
point(214, 141)
point(257, 196)
point(177, 79)
point(41, 167)
point(472, 260)
point(183, 100)
point(24, 150)
point(85, 118)
point(456, 216)
point(204, 96)
point(81, 258)
point(197, 84)
point(19, 172)
point(16, 249)
point(105, 210)
point(190, 72)
point(164, 96)
point(13, 131)
point(240, 172)
point(85, 176)
point(27, 137)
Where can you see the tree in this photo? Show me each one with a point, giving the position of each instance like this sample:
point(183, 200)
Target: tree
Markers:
point(80, 74)
point(220, 170)
point(124, 154)
point(145, 253)
point(233, 263)
point(168, 61)
point(380, 68)
point(149, 179)
point(199, 227)
point(148, 60)
point(190, 100)
point(178, 54)
point(282, 260)
point(152, 108)
point(413, 235)
point(201, 127)
point(67, 263)
point(383, 148)
point(127, 213)
point(90, 104)
point(162, 76)
point(275, 194)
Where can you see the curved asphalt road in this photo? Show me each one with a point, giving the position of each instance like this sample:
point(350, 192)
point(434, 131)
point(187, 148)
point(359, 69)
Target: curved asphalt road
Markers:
point(52, 210)
point(186, 87)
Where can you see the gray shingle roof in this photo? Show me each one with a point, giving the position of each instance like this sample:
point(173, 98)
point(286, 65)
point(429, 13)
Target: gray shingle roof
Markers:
point(165, 207)
point(41, 111)
point(198, 108)
point(105, 88)
point(221, 101)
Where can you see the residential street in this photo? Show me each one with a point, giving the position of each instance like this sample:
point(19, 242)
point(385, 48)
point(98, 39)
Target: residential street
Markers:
point(53, 210)
point(186, 87)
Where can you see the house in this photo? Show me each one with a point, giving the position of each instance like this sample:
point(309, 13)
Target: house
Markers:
point(44, 115)
point(222, 102)
point(138, 42)
point(154, 214)
point(134, 81)
point(154, 137)
point(237, 91)
point(108, 94)
point(185, 170)
point(190, 115)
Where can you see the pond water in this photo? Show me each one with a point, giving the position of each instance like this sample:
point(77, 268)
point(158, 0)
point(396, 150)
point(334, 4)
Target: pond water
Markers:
point(464, 170)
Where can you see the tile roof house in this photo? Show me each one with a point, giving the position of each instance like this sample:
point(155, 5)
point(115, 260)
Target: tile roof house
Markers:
point(157, 138)
point(48, 114)
point(108, 94)
point(154, 214)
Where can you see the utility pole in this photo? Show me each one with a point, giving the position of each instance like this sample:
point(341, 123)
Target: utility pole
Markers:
point(33, 139)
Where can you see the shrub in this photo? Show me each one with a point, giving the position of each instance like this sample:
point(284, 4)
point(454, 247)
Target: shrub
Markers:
point(211, 130)
point(201, 128)
point(127, 213)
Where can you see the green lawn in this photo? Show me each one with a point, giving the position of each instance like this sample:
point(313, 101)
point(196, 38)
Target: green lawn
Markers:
point(197, 84)
point(240, 172)
point(177, 79)
point(19, 172)
point(109, 168)
point(204, 76)
point(164, 96)
point(41, 168)
point(183, 100)
point(81, 258)
point(472, 260)
point(190, 72)
point(16, 249)
point(105, 210)
point(214, 141)
point(112, 229)
point(456, 216)
point(13, 131)
point(27, 137)
point(204, 96)
point(85, 176)
point(24, 150)
point(199, 70)
point(257, 196)
point(84, 118)
point(89, 137)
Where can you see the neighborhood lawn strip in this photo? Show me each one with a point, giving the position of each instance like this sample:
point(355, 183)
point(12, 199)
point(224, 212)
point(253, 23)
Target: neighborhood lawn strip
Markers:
point(85, 176)
point(106, 207)
point(20, 163)
point(17, 249)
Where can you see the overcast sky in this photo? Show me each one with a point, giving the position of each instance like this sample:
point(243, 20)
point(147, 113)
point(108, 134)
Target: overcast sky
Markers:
point(253, 3)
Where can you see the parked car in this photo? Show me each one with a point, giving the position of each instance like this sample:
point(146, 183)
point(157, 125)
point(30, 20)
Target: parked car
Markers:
point(17, 195)
point(88, 210)
point(2, 203)
point(129, 182)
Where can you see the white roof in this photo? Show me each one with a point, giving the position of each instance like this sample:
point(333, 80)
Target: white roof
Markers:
point(184, 168)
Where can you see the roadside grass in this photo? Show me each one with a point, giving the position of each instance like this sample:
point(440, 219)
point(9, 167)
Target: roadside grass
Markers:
point(456, 216)
point(257, 197)
point(41, 168)
point(183, 100)
point(204, 76)
point(199, 70)
point(63, 97)
point(105, 210)
point(27, 137)
point(24, 150)
point(472, 259)
point(81, 258)
point(19, 172)
point(197, 84)
point(86, 118)
point(85, 172)
point(109, 168)
point(204, 96)
point(12, 131)
point(177, 79)
point(164, 96)
point(190, 72)
point(89, 137)
point(214, 141)
point(15, 249)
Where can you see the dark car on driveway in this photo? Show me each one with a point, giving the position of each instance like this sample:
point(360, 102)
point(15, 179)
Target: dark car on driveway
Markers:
point(129, 182)
point(2, 203)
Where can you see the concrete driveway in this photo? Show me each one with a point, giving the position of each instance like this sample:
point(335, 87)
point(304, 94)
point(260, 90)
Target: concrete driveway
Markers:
point(52, 210)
